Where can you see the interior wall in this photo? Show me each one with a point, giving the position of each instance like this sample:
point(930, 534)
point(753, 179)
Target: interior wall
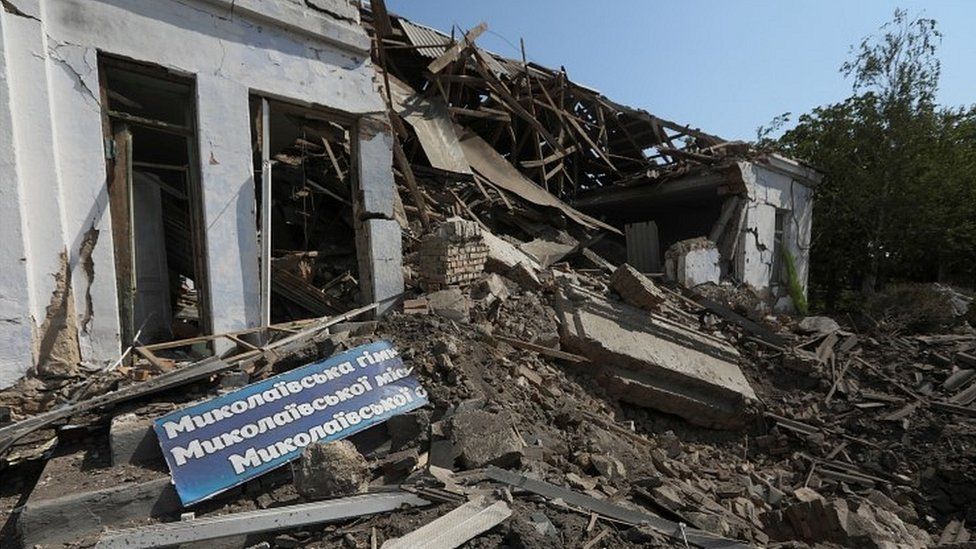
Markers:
point(52, 156)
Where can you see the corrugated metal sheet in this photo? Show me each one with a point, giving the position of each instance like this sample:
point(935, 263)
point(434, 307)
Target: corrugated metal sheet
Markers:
point(420, 35)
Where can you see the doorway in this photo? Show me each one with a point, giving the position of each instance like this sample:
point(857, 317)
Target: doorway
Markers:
point(149, 123)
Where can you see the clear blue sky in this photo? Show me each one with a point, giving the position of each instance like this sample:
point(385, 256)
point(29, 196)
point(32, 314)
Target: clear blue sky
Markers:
point(723, 66)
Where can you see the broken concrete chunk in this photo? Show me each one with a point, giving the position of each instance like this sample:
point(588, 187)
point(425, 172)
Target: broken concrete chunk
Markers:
point(451, 304)
point(133, 441)
point(817, 325)
point(546, 252)
point(543, 525)
point(405, 429)
point(609, 467)
point(579, 482)
point(656, 363)
point(693, 262)
point(484, 438)
point(330, 469)
point(492, 289)
point(637, 289)
point(507, 260)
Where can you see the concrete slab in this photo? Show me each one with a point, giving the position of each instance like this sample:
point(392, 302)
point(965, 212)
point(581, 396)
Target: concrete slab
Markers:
point(79, 493)
point(652, 362)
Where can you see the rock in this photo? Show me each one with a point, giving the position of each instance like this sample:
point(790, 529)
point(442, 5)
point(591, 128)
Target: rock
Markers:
point(637, 289)
point(609, 466)
point(817, 325)
point(407, 428)
point(817, 520)
point(484, 438)
point(542, 524)
point(580, 483)
point(330, 469)
point(451, 304)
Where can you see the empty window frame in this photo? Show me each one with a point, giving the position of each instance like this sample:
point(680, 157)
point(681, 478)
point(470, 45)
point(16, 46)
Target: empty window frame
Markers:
point(149, 123)
point(302, 161)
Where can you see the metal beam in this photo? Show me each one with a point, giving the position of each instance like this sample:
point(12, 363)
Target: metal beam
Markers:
point(256, 522)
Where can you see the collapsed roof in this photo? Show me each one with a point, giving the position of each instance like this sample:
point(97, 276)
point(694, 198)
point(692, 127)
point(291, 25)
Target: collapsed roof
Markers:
point(564, 136)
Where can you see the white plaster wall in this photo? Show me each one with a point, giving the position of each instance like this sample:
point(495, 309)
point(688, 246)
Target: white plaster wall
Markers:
point(229, 204)
point(51, 150)
point(769, 189)
point(15, 297)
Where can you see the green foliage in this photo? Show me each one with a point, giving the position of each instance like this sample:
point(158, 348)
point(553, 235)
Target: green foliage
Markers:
point(898, 198)
point(795, 286)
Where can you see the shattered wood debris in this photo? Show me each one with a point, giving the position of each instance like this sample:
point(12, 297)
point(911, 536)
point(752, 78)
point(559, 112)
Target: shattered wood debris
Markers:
point(573, 401)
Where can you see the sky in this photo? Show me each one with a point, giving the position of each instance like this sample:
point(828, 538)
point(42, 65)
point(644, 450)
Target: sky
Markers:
point(725, 67)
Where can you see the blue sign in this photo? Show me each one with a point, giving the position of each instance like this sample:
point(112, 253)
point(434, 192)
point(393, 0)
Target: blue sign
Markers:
point(218, 444)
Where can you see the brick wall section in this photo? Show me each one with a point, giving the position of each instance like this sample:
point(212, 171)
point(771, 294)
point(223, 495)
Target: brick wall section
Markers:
point(454, 255)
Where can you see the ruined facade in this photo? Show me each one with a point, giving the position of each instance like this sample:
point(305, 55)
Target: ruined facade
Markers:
point(753, 210)
point(130, 165)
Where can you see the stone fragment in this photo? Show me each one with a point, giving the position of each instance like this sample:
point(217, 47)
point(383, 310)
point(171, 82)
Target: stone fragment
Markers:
point(637, 289)
point(543, 525)
point(451, 304)
point(405, 429)
point(507, 260)
point(580, 483)
point(817, 325)
point(484, 438)
point(330, 469)
point(609, 466)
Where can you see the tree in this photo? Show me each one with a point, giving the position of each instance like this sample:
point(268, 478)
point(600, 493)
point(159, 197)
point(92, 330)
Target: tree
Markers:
point(897, 197)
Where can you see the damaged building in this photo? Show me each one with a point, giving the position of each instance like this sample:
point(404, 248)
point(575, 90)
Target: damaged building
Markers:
point(660, 185)
point(139, 143)
point(289, 273)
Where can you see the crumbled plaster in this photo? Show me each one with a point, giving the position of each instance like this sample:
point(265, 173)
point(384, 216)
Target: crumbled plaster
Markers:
point(58, 334)
point(88, 265)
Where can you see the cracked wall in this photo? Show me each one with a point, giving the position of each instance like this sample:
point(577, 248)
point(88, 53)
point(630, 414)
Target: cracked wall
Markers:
point(53, 196)
point(770, 189)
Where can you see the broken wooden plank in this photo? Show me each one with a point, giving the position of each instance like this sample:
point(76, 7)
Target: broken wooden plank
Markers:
point(456, 527)
point(754, 328)
point(418, 198)
point(453, 52)
point(174, 378)
point(255, 522)
point(542, 350)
